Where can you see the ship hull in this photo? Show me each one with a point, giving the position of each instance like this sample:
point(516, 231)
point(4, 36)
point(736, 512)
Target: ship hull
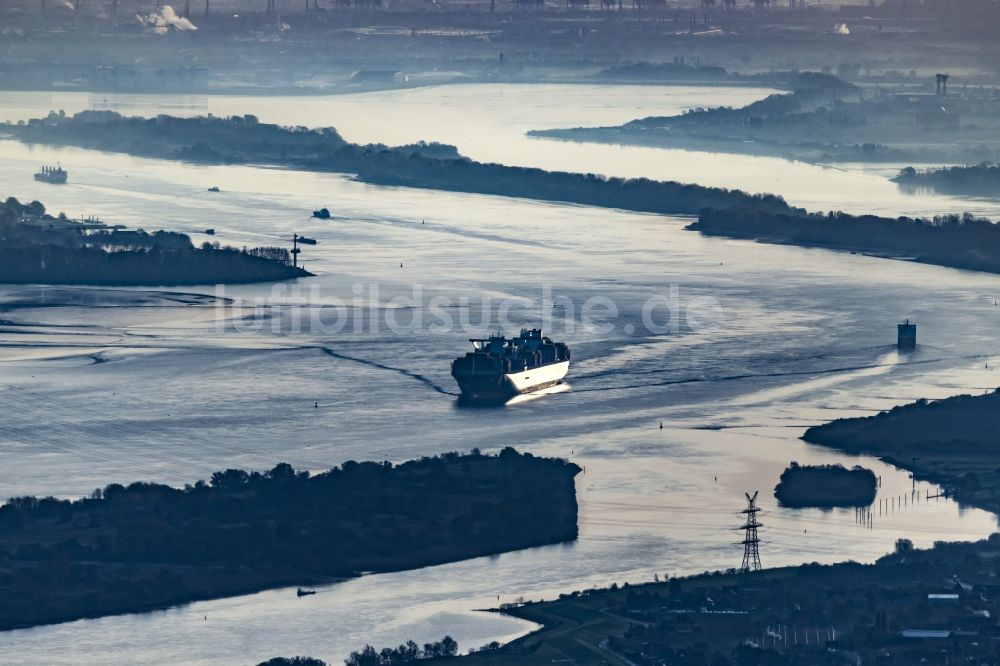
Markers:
point(502, 387)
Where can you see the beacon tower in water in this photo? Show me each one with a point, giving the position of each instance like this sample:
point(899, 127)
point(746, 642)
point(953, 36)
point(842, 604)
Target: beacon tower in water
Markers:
point(906, 336)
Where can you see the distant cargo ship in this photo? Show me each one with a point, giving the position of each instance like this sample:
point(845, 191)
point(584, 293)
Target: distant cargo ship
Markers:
point(55, 175)
point(501, 368)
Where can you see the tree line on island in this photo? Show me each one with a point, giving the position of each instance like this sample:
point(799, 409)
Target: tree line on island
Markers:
point(826, 486)
point(245, 140)
point(950, 442)
point(407, 653)
point(145, 545)
point(822, 119)
point(960, 241)
point(975, 180)
point(404, 654)
point(36, 247)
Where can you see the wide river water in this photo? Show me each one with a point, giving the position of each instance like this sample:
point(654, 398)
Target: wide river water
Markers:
point(103, 385)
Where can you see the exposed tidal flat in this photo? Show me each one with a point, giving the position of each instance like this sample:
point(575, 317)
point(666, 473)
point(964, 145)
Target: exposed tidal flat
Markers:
point(137, 384)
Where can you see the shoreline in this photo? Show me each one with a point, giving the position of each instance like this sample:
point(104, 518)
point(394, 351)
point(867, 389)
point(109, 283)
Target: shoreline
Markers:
point(291, 585)
point(436, 167)
point(165, 606)
point(558, 627)
point(958, 465)
point(299, 91)
point(619, 136)
point(147, 547)
point(979, 181)
point(39, 248)
point(960, 242)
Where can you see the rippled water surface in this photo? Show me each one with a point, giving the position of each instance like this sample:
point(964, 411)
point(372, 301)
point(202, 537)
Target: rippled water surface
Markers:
point(162, 385)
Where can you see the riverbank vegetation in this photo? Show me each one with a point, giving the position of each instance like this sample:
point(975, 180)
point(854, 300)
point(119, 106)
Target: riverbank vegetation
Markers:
point(404, 654)
point(826, 119)
point(37, 248)
point(795, 616)
point(146, 545)
point(911, 606)
point(826, 486)
point(981, 180)
point(245, 140)
point(950, 442)
point(959, 241)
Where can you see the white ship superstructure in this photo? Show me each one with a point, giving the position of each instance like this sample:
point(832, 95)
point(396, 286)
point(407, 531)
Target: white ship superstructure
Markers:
point(500, 368)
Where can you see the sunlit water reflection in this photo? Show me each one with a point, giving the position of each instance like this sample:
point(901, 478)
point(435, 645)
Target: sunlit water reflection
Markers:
point(118, 385)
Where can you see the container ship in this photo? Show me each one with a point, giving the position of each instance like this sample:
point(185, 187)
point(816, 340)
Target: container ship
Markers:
point(55, 175)
point(500, 368)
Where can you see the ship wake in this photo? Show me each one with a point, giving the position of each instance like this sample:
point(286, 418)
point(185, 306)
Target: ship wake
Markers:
point(381, 366)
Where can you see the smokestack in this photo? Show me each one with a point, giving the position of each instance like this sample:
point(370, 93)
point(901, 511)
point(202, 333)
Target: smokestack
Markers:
point(206, 7)
point(187, 8)
point(941, 85)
